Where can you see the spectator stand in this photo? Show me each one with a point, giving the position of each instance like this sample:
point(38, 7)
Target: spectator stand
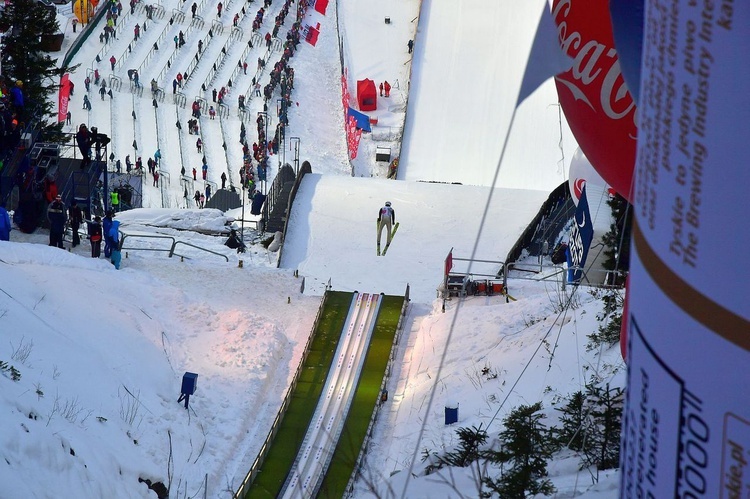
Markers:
point(223, 113)
point(136, 128)
point(115, 84)
point(221, 109)
point(208, 151)
point(100, 56)
point(181, 137)
point(159, 14)
point(255, 39)
point(205, 42)
point(217, 63)
point(152, 51)
point(165, 160)
point(163, 74)
point(186, 180)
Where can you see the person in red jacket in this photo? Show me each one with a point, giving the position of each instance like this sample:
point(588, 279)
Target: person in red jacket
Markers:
point(113, 61)
point(387, 87)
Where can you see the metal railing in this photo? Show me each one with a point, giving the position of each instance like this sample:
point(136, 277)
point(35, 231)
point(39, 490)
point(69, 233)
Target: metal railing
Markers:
point(172, 253)
point(170, 250)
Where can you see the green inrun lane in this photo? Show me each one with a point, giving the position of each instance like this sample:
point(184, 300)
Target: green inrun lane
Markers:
point(304, 399)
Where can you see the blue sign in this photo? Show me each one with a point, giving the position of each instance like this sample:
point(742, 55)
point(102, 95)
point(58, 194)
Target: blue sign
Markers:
point(580, 239)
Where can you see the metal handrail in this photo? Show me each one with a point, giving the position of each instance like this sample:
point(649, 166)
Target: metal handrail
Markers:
point(172, 253)
point(171, 249)
point(124, 236)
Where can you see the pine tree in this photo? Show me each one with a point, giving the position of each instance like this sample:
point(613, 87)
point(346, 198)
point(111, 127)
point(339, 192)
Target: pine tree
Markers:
point(602, 447)
point(28, 25)
point(470, 440)
point(525, 449)
point(610, 321)
point(574, 428)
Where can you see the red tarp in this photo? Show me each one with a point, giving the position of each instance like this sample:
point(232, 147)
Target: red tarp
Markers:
point(311, 34)
point(321, 6)
point(367, 95)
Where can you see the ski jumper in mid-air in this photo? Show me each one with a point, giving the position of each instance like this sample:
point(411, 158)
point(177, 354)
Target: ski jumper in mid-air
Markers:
point(386, 219)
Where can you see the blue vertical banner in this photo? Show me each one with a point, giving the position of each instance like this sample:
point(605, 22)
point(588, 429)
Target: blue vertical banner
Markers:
point(580, 239)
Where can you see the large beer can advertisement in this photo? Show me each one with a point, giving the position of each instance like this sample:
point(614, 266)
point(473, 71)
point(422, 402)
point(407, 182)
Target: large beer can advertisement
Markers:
point(686, 428)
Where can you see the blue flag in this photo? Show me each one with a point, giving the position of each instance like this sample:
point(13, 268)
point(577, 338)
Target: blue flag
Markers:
point(580, 239)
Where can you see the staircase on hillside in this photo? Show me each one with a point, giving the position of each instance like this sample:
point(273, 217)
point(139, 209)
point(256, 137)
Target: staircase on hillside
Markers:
point(277, 203)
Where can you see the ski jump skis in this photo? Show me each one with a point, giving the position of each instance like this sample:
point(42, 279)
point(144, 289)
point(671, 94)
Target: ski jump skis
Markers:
point(393, 233)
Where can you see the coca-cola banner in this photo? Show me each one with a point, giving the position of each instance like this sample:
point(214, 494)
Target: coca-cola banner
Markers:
point(63, 98)
point(353, 134)
point(593, 94)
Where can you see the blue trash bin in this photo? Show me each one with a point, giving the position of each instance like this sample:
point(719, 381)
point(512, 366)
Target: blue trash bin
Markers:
point(451, 414)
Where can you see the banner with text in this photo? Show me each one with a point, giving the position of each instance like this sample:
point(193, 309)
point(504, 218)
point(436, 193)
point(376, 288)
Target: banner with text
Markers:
point(686, 425)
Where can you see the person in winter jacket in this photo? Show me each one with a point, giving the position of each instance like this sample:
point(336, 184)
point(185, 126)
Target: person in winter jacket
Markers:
point(4, 223)
point(76, 219)
point(56, 214)
point(234, 242)
point(114, 237)
point(386, 219)
point(95, 236)
point(106, 226)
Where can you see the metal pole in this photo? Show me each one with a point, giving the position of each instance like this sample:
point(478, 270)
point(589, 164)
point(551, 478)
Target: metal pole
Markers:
point(265, 151)
point(242, 222)
point(295, 141)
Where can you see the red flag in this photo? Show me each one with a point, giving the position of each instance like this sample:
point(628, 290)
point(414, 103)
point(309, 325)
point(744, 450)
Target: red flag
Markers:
point(449, 262)
point(64, 97)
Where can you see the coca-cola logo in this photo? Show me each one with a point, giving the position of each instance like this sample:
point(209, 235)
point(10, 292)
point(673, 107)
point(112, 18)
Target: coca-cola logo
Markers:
point(592, 59)
point(600, 110)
